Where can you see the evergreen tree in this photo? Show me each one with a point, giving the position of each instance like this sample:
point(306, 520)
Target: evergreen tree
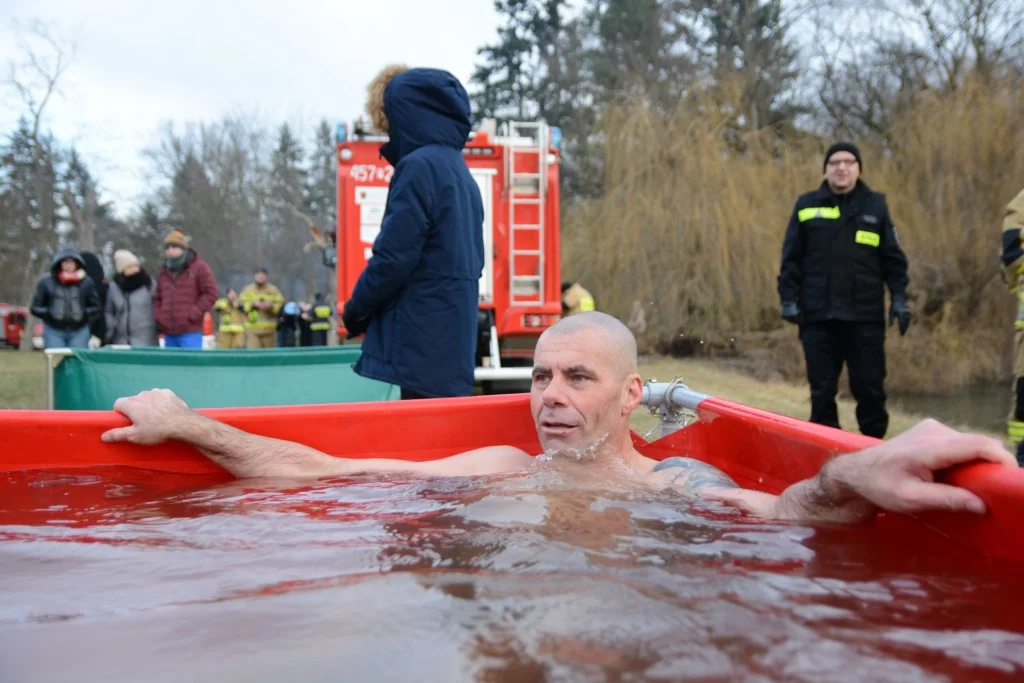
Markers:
point(747, 41)
point(195, 208)
point(516, 72)
point(641, 48)
point(90, 218)
point(321, 193)
point(287, 197)
point(30, 233)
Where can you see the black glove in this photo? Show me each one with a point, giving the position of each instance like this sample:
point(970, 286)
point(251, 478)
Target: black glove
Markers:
point(791, 312)
point(354, 326)
point(900, 311)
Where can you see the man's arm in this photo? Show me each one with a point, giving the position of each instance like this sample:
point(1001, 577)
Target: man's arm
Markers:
point(792, 252)
point(397, 249)
point(276, 300)
point(158, 311)
point(110, 315)
point(1013, 252)
point(894, 260)
point(896, 475)
point(93, 309)
point(159, 416)
point(207, 290)
point(41, 300)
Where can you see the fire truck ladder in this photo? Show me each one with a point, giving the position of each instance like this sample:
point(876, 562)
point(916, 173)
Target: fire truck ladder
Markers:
point(526, 140)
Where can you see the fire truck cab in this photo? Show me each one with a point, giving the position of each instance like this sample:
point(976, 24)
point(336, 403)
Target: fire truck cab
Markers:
point(13, 322)
point(520, 287)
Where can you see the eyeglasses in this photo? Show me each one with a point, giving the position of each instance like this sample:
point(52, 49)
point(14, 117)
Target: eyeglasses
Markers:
point(842, 162)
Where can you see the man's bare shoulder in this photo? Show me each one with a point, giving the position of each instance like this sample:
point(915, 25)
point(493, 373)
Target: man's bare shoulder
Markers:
point(689, 475)
point(487, 460)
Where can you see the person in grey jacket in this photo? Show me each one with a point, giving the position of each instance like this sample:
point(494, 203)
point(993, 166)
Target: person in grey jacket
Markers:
point(129, 309)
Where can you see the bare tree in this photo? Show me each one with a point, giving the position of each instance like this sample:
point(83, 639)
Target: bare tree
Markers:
point(322, 241)
point(84, 218)
point(36, 76)
point(871, 74)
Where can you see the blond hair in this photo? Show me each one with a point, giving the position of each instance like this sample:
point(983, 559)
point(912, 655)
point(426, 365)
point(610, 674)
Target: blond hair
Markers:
point(375, 95)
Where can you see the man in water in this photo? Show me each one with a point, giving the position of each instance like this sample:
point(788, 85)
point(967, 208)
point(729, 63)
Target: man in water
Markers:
point(585, 386)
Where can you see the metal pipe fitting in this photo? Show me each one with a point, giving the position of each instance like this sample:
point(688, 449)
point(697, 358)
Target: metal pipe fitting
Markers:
point(671, 400)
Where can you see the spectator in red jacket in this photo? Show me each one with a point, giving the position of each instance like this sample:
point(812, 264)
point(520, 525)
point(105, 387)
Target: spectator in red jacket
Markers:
point(185, 291)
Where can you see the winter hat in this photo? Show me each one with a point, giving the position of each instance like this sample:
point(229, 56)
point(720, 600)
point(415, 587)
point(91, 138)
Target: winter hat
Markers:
point(843, 147)
point(176, 238)
point(123, 259)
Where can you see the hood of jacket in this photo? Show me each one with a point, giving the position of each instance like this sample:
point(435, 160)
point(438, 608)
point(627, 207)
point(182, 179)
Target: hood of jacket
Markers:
point(93, 267)
point(425, 107)
point(63, 253)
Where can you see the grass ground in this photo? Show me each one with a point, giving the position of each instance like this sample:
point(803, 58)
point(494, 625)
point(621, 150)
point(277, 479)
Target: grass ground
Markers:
point(22, 380)
point(24, 387)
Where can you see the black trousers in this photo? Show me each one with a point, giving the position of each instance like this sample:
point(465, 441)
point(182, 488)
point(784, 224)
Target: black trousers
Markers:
point(827, 345)
point(410, 395)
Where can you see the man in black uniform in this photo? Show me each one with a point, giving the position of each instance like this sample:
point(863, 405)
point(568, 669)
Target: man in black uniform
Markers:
point(839, 253)
point(321, 322)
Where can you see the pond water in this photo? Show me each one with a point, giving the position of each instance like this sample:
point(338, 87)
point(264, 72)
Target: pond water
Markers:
point(984, 407)
point(122, 574)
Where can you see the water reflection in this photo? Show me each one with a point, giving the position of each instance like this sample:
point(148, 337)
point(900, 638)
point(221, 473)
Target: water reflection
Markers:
point(539, 575)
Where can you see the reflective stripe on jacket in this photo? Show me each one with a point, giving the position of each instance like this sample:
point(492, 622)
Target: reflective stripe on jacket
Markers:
point(321, 318)
point(254, 293)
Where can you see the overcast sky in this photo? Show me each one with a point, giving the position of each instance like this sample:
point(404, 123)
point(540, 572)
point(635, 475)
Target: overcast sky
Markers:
point(140, 63)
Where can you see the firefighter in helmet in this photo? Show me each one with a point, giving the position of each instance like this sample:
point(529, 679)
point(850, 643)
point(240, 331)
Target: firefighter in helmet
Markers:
point(321, 321)
point(231, 325)
point(575, 299)
point(1013, 265)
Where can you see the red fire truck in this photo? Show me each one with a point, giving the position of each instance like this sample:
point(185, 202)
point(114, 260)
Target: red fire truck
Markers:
point(12, 324)
point(520, 293)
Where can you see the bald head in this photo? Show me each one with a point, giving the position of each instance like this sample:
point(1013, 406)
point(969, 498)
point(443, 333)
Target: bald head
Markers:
point(613, 335)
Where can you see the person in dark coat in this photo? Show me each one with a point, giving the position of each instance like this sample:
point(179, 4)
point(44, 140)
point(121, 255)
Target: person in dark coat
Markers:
point(66, 300)
point(418, 296)
point(839, 253)
point(185, 292)
point(304, 321)
point(287, 324)
point(94, 269)
point(320, 324)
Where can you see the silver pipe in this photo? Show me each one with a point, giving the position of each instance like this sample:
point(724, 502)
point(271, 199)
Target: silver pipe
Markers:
point(670, 400)
point(495, 351)
point(491, 374)
point(683, 397)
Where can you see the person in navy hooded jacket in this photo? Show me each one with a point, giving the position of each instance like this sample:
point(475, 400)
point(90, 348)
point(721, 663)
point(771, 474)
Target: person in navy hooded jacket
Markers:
point(417, 299)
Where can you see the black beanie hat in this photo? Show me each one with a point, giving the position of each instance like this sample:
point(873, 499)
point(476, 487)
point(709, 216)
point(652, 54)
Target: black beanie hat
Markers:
point(843, 147)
